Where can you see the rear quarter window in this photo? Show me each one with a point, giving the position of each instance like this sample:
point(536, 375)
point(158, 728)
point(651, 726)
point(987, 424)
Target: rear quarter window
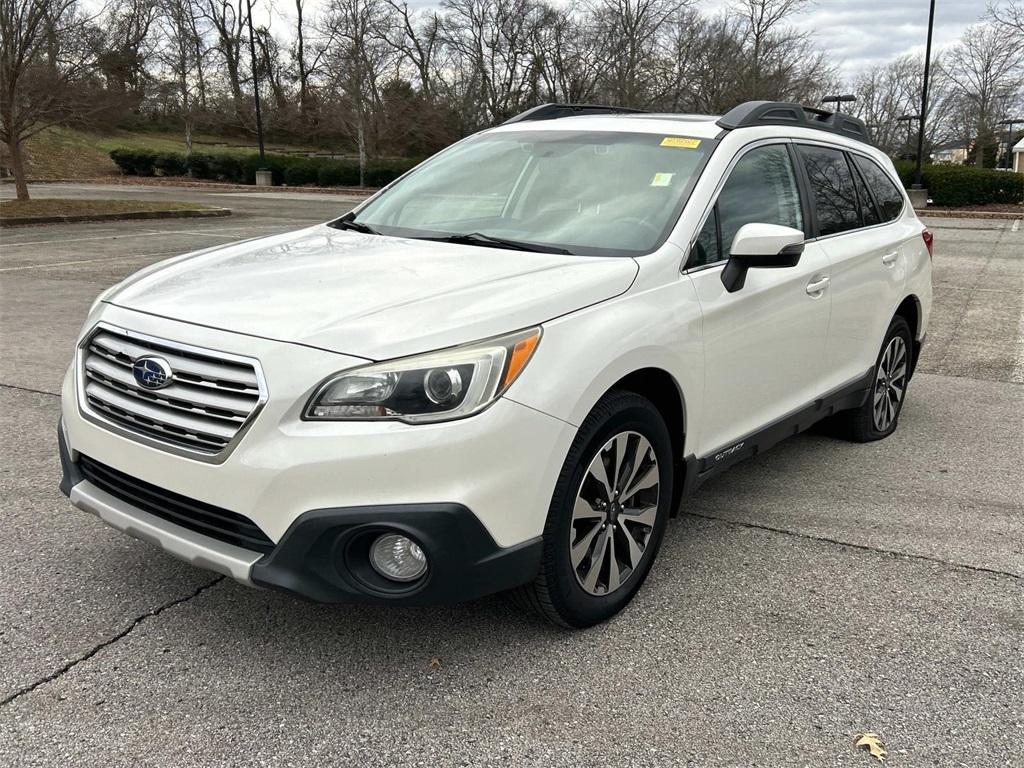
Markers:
point(887, 194)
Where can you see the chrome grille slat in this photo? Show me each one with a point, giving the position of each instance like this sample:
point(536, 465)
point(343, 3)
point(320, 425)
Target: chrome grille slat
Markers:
point(154, 412)
point(231, 375)
point(210, 401)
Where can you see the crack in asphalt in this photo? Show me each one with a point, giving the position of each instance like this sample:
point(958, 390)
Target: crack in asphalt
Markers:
point(863, 547)
point(29, 389)
point(109, 641)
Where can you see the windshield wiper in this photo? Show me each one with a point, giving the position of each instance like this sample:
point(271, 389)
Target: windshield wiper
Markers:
point(355, 226)
point(479, 238)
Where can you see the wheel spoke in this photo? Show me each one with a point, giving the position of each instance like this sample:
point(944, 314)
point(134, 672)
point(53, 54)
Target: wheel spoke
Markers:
point(613, 564)
point(599, 472)
point(596, 561)
point(621, 448)
point(643, 516)
point(640, 450)
point(648, 479)
point(632, 548)
point(583, 511)
point(582, 545)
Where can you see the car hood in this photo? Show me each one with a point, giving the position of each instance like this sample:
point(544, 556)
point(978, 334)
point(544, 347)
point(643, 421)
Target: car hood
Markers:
point(370, 296)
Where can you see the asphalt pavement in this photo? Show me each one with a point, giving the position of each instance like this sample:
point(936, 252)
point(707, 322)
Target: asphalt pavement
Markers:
point(822, 590)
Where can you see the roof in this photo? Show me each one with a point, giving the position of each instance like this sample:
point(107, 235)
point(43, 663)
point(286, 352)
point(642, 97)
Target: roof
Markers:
point(1019, 146)
point(750, 114)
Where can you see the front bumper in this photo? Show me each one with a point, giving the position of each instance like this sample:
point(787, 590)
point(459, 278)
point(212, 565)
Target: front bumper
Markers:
point(322, 555)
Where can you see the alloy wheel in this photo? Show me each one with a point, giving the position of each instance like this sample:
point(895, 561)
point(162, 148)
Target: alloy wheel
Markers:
point(614, 513)
point(890, 383)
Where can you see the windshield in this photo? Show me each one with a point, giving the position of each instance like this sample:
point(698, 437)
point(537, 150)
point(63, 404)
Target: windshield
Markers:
point(581, 192)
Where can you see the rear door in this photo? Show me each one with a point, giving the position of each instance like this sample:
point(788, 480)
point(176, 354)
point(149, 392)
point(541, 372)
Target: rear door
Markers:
point(864, 249)
point(764, 344)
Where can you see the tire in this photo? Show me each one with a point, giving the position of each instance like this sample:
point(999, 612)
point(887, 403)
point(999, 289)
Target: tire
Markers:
point(615, 544)
point(891, 376)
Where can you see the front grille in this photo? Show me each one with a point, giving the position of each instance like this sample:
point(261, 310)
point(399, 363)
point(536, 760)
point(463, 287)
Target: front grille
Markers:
point(209, 400)
point(198, 516)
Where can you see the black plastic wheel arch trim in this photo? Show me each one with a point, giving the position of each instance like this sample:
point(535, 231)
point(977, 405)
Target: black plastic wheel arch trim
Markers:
point(313, 558)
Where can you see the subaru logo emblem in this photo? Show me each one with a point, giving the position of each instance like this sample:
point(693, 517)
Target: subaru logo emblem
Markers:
point(152, 372)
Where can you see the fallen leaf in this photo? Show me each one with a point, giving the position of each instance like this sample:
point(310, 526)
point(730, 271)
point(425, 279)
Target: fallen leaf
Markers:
point(435, 662)
point(872, 744)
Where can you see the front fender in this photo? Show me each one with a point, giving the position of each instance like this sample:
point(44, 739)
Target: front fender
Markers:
point(582, 355)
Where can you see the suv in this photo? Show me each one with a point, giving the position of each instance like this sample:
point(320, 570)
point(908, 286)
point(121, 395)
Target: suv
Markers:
point(505, 370)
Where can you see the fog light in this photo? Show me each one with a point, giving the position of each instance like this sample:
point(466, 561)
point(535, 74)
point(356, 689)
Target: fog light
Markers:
point(398, 558)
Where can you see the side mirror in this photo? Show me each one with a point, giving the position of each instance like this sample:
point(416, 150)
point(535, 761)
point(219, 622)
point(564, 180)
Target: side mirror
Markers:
point(760, 246)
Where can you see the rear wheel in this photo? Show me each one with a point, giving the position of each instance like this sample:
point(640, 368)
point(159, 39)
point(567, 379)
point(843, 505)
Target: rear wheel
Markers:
point(607, 515)
point(879, 416)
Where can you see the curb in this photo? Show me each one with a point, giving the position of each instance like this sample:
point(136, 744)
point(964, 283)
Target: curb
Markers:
point(953, 213)
point(186, 182)
point(18, 221)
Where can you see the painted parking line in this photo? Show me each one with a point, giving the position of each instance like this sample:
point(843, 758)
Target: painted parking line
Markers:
point(89, 261)
point(68, 240)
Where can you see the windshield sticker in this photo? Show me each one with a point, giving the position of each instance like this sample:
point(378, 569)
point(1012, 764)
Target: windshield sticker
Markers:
point(662, 179)
point(678, 141)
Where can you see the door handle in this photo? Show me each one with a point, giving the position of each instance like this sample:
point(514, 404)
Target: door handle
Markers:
point(815, 287)
point(890, 258)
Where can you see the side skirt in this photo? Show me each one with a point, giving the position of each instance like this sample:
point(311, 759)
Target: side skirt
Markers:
point(700, 470)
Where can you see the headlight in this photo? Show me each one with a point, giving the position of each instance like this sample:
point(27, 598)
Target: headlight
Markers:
point(434, 387)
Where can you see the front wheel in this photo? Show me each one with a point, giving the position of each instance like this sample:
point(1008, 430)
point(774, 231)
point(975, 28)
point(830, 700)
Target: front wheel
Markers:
point(607, 515)
point(879, 415)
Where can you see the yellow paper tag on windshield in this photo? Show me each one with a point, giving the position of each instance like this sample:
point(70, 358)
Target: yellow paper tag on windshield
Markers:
point(662, 179)
point(678, 141)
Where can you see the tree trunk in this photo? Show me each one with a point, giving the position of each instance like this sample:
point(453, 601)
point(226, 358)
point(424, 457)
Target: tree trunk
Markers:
point(361, 138)
point(18, 166)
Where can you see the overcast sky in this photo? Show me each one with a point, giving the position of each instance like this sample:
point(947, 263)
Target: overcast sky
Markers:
point(860, 32)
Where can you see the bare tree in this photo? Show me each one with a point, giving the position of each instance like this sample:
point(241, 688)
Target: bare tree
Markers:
point(182, 55)
point(359, 55)
point(228, 23)
point(631, 37)
point(985, 67)
point(1010, 15)
point(44, 62)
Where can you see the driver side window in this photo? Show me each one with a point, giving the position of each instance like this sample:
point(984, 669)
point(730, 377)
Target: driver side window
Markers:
point(761, 189)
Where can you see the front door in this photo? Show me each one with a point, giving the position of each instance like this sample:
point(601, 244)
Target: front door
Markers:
point(764, 345)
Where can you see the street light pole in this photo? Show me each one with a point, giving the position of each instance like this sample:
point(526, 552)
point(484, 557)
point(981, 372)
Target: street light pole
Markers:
point(924, 99)
point(255, 80)
point(908, 119)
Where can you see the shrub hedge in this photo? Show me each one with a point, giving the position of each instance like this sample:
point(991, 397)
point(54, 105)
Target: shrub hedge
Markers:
point(241, 169)
point(958, 185)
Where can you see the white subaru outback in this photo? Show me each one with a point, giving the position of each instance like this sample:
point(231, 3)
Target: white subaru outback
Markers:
point(505, 370)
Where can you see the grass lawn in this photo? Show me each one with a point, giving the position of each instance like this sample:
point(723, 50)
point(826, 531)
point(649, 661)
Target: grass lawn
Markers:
point(10, 209)
point(66, 153)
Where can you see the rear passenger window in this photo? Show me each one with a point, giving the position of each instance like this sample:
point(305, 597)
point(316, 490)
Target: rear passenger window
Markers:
point(833, 188)
point(868, 212)
point(888, 195)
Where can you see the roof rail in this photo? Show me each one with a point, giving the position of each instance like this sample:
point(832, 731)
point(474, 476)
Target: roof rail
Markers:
point(553, 111)
point(785, 113)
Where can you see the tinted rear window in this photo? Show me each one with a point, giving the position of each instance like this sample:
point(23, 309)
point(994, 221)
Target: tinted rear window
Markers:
point(887, 194)
point(833, 189)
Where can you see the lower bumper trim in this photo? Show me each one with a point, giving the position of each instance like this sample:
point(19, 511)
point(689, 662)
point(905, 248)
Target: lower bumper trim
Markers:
point(192, 547)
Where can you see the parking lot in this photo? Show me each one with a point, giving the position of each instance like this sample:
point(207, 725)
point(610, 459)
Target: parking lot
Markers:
point(822, 590)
